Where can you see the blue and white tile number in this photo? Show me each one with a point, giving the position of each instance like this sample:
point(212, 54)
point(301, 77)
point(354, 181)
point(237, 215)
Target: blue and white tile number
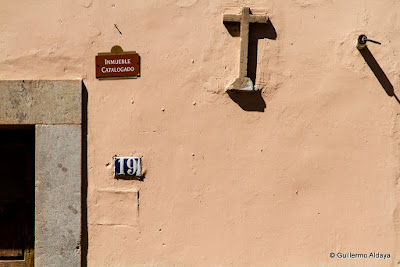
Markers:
point(127, 166)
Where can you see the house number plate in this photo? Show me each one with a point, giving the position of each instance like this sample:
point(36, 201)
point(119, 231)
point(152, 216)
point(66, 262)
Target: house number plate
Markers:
point(127, 166)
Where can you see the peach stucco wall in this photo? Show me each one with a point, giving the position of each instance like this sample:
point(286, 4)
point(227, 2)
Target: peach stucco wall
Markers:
point(316, 172)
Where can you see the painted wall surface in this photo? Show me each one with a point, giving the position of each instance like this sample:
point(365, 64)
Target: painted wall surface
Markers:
point(316, 172)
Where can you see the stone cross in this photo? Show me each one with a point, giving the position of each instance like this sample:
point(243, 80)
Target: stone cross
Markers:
point(244, 83)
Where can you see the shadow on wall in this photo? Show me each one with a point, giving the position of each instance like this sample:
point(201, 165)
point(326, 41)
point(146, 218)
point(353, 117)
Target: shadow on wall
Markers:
point(251, 101)
point(131, 178)
point(378, 72)
point(248, 101)
point(84, 226)
point(257, 32)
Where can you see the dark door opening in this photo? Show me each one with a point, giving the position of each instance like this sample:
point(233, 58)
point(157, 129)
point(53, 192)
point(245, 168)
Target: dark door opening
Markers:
point(17, 195)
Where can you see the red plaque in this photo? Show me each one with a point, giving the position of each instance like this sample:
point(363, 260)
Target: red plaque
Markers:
point(117, 64)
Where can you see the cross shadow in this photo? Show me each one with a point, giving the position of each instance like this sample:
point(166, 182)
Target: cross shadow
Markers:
point(258, 31)
point(378, 72)
point(251, 101)
point(248, 101)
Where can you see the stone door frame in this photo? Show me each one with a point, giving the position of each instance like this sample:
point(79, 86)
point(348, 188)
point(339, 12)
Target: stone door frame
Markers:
point(55, 108)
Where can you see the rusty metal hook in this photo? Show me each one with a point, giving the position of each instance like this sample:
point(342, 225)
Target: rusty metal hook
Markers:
point(362, 41)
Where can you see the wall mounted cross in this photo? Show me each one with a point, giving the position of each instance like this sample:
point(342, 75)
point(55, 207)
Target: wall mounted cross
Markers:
point(242, 82)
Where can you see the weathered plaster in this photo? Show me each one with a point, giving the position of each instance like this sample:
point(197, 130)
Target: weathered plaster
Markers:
point(124, 203)
point(316, 172)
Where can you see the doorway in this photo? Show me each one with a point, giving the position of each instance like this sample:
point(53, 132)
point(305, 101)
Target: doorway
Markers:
point(17, 195)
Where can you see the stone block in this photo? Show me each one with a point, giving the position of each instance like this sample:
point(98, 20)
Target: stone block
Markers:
point(58, 195)
point(41, 101)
